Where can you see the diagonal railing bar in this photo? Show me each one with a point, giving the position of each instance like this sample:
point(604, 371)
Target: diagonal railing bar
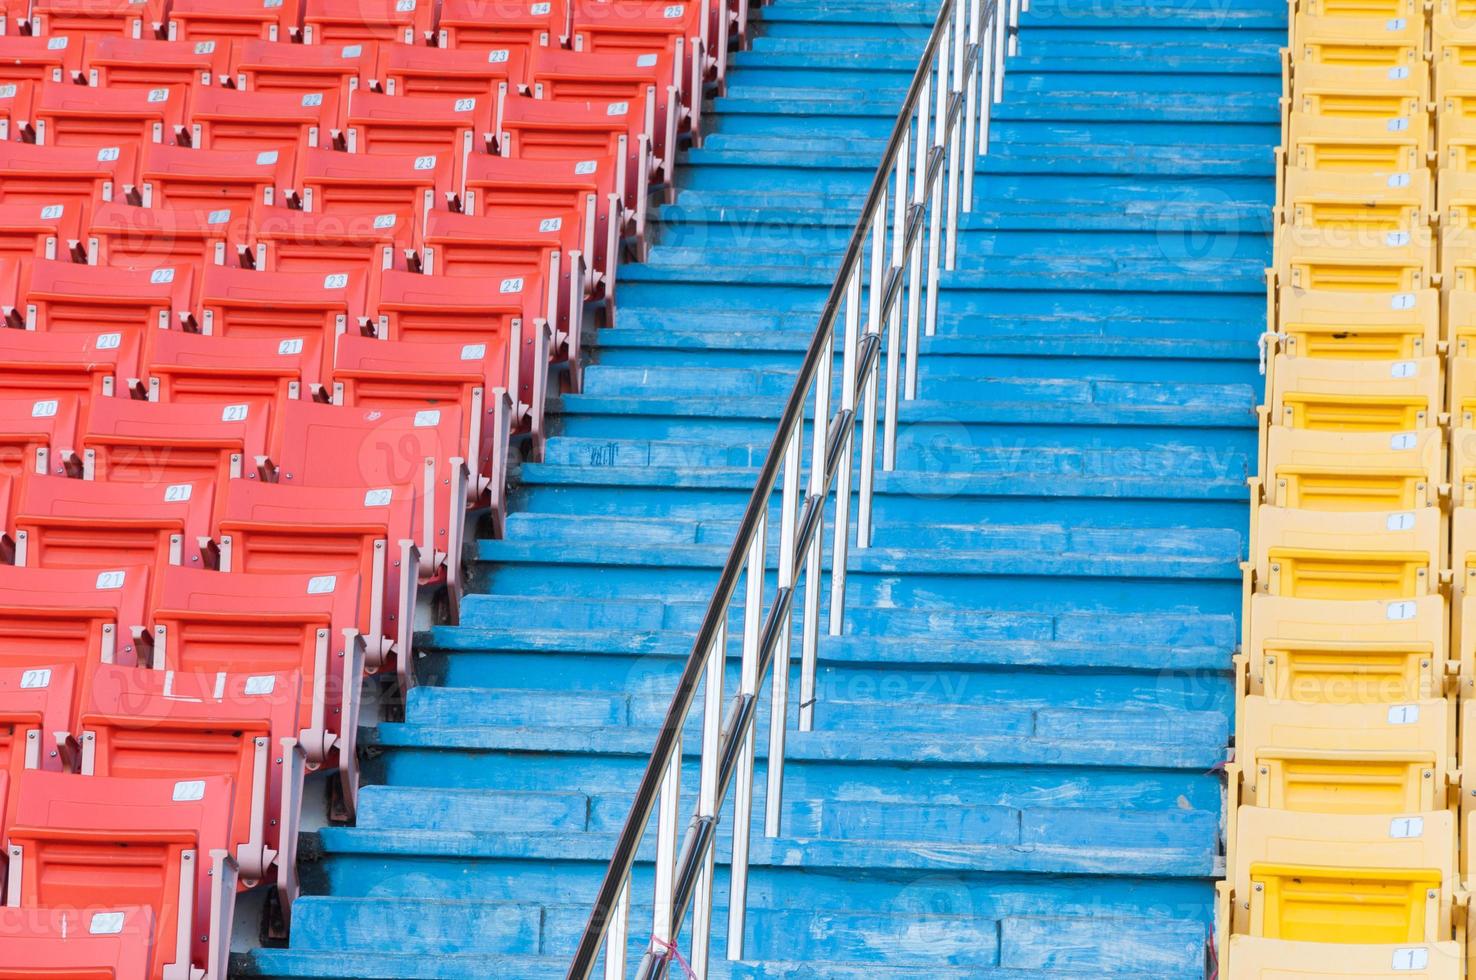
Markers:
point(925, 180)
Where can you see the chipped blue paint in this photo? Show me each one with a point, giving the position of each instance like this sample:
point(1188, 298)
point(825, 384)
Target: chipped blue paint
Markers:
point(1011, 776)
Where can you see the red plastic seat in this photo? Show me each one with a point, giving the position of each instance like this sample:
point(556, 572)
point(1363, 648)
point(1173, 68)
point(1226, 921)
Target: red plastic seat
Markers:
point(17, 101)
point(176, 724)
point(177, 177)
point(78, 366)
point(229, 119)
point(356, 183)
point(126, 440)
point(226, 20)
point(116, 62)
point(70, 176)
point(70, 296)
point(38, 436)
point(124, 236)
point(456, 309)
point(284, 305)
point(639, 26)
point(351, 21)
point(370, 533)
point(66, 523)
point(44, 231)
point(81, 19)
point(175, 859)
point(407, 125)
point(76, 619)
point(300, 624)
point(538, 129)
point(79, 115)
point(76, 944)
point(260, 66)
point(15, 17)
point(650, 79)
point(189, 368)
point(288, 240)
point(415, 70)
point(538, 189)
point(484, 25)
point(35, 718)
point(38, 59)
point(409, 443)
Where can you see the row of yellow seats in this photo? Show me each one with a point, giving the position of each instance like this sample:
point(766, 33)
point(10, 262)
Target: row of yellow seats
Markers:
point(1383, 33)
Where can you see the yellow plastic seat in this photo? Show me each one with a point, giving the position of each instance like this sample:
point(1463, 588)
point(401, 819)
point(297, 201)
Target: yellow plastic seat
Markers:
point(1361, 91)
point(1354, 259)
point(1462, 395)
point(1343, 878)
point(1344, 758)
point(1325, 651)
point(1355, 145)
point(1452, 38)
point(1373, 201)
point(1310, 554)
point(1456, 198)
point(1357, 8)
point(1253, 958)
point(1328, 39)
point(1458, 259)
point(1460, 321)
point(1463, 592)
point(1356, 395)
point(1462, 467)
point(1359, 326)
point(1354, 471)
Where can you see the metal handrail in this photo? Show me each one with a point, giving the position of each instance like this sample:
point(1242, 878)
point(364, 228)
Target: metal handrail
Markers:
point(945, 118)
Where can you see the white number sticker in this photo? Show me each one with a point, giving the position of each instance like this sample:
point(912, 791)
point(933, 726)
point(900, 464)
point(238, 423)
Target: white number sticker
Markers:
point(540, 9)
point(384, 221)
point(261, 684)
point(1407, 828)
point(7, 91)
point(51, 211)
point(1398, 612)
point(1402, 301)
point(322, 584)
point(351, 51)
point(428, 419)
point(617, 109)
point(378, 498)
point(287, 348)
point(1396, 24)
point(234, 413)
point(425, 163)
point(190, 790)
point(464, 105)
point(551, 224)
point(1409, 958)
point(1396, 239)
point(1404, 714)
point(158, 95)
point(266, 158)
point(1399, 180)
point(107, 154)
point(473, 352)
point(404, 6)
point(511, 286)
point(39, 677)
point(107, 581)
point(675, 10)
point(1403, 369)
point(108, 341)
point(646, 61)
point(585, 167)
point(106, 923)
point(1400, 522)
point(312, 99)
point(335, 280)
point(1397, 125)
point(497, 57)
point(177, 493)
point(205, 47)
point(45, 409)
point(160, 277)
point(56, 44)
point(1403, 440)
point(219, 217)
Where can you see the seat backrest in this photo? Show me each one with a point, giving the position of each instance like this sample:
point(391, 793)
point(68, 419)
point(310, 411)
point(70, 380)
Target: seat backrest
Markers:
point(76, 944)
point(69, 175)
point(117, 62)
point(261, 66)
point(488, 25)
point(165, 237)
point(80, 115)
point(289, 240)
point(227, 21)
point(41, 231)
point(214, 180)
point(352, 21)
point(126, 440)
point(65, 523)
point(81, 617)
point(282, 305)
point(38, 59)
point(416, 70)
point(457, 309)
point(38, 436)
point(230, 119)
point(188, 368)
point(36, 704)
point(344, 183)
point(70, 296)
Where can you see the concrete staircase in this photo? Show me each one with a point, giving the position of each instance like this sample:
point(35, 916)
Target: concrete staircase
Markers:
point(1013, 768)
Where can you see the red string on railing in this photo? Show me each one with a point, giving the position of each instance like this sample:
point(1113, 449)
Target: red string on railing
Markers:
point(676, 954)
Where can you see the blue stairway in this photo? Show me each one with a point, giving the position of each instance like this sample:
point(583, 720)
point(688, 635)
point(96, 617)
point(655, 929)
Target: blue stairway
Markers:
point(1013, 768)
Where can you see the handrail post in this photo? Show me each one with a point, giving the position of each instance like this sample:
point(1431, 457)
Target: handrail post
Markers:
point(753, 607)
point(707, 789)
point(779, 696)
point(849, 367)
point(868, 406)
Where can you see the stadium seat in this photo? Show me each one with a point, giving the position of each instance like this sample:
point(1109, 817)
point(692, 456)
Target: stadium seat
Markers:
point(79, 115)
point(66, 523)
point(38, 59)
point(126, 440)
point(229, 119)
point(1350, 555)
point(356, 21)
point(1361, 91)
point(651, 78)
point(487, 25)
point(77, 616)
point(69, 176)
point(459, 310)
point(179, 177)
point(356, 183)
point(119, 63)
point(1349, 471)
point(261, 66)
point(76, 944)
point(1355, 145)
point(1374, 202)
point(77, 298)
point(283, 305)
point(60, 365)
point(173, 724)
point(1463, 464)
point(537, 129)
point(1252, 958)
point(370, 448)
point(415, 70)
point(1387, 42)
point(82, 19)
point(43, 231)
point(283, 528)
point(64, 852)
point(1332, 324)
point(1343, 878)
point(36, 705)
point(188, 368)
point(288, 240)
point(1355, 259)
point(38, 437)
point(1344, 758)
point(640, 26)
point(124, 236)
point(409, 125)
point(1356, 395)
point(537, 189)
point(225, 21)
point(17, 105)
point(299, 625)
